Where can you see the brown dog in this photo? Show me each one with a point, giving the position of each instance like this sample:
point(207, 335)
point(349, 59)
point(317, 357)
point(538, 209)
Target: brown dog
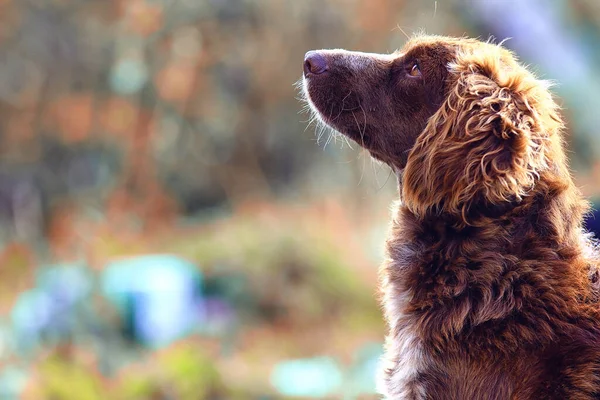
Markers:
point(490, 287)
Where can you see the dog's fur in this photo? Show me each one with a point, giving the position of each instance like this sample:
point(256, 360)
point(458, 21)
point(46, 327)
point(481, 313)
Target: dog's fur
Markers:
point(490, 288)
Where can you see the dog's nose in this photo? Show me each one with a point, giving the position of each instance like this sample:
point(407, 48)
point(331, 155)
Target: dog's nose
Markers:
point(314, 63)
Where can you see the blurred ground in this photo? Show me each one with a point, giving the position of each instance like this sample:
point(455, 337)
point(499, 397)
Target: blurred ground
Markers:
point(170, 228)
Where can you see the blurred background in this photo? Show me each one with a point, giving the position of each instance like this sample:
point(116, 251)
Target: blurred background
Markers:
point(170, 226)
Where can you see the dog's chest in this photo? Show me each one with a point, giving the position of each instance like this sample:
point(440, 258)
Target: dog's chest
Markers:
point(406, 367)
point(417, 374)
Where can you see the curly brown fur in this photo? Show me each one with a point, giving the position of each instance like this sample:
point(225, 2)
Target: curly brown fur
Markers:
point(490, 287)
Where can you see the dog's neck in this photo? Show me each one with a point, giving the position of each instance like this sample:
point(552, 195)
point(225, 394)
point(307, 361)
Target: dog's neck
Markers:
point(552, 192)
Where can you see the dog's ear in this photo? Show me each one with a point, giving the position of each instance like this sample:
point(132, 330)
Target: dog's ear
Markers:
point(486, 145)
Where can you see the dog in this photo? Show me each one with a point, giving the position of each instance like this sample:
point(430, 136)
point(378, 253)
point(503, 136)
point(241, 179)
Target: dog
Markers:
point(490, 285)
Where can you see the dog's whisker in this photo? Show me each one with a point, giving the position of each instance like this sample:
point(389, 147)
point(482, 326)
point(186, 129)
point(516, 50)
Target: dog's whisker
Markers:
point(327, 142)
point(347, 142)
point(362, 172)
point(374, 171)
point(386, 179)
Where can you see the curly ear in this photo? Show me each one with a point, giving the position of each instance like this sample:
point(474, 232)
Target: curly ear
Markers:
point(486, 145)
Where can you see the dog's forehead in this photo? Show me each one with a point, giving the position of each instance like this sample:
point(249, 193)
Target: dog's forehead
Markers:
point(429, 45)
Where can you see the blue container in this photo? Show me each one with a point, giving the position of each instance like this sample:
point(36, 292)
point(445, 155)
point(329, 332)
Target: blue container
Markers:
point(159, 294)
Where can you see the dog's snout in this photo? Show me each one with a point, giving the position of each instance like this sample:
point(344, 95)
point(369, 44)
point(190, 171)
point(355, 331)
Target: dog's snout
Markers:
point(314, 63)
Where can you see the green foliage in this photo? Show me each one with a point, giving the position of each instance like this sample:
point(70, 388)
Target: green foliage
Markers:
point(290, 265)
point(193, 375)
point(183, 373)
point(66, 380)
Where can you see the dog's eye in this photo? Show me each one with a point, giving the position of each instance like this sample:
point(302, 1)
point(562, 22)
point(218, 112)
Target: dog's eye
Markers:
point(415, 71)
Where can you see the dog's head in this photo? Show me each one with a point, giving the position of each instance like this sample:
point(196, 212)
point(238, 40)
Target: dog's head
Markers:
point(460, 119)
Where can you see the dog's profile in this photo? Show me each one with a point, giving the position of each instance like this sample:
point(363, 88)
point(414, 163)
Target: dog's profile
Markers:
point(490, 287)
